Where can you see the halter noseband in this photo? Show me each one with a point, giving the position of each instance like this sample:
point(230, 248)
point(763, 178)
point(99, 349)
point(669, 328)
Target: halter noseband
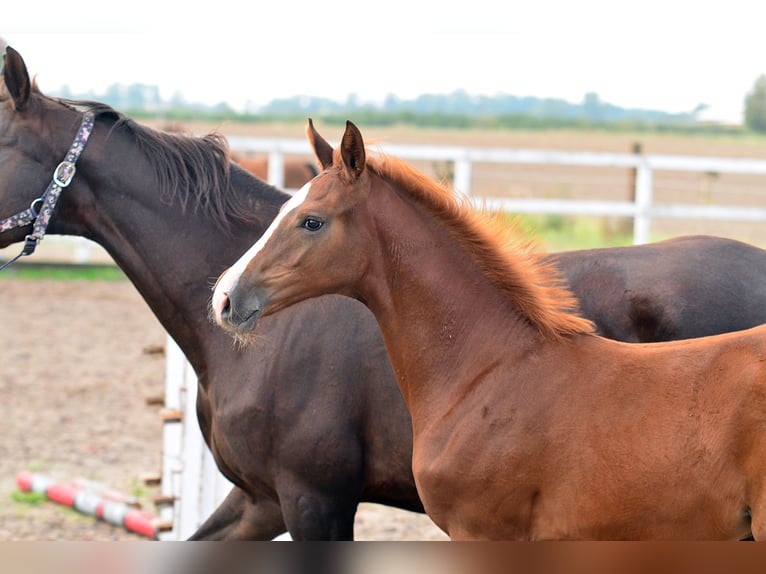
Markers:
point(41, 209)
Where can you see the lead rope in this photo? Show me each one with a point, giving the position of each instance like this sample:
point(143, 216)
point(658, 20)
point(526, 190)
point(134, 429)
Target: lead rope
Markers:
point(42, 208)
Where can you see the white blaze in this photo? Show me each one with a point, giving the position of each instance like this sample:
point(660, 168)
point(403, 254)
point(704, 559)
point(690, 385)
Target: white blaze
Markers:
point(231, 275)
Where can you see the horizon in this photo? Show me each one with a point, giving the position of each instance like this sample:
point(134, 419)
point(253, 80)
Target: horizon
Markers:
point(352, 101)
point(668, 57)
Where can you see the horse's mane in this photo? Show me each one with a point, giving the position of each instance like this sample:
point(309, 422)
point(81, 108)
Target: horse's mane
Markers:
point(193, 170)
point(511, 260)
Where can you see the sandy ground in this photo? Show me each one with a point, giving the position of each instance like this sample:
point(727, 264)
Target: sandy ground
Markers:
point(79, 361)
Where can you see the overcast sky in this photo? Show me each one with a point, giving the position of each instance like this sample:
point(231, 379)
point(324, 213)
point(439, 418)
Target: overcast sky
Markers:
point(669, 55)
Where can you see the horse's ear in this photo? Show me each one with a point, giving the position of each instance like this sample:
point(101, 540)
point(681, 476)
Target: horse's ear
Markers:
point(16, 77)
point(352, 151)
point(322, 149)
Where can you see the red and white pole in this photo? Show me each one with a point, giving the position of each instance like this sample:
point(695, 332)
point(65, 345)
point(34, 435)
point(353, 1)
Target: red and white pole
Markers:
point(91, 503)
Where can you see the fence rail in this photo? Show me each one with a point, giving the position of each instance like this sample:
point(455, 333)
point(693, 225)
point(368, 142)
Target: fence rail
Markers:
point(642, 209)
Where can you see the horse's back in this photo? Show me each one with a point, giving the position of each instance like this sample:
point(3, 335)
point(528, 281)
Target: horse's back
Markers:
point(680, 288)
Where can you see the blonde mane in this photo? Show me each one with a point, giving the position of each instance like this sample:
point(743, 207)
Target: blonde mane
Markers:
point(509, 259)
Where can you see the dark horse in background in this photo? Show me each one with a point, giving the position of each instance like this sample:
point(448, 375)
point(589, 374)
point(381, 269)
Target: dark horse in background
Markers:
point(309, 422)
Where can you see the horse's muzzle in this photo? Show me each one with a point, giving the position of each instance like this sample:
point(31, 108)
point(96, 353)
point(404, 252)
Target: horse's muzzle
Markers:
point(237, 310)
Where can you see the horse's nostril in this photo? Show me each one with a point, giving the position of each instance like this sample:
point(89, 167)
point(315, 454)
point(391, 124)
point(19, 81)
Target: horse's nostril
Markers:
point(225, 305)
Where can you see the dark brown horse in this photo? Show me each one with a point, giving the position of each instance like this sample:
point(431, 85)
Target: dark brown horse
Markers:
point(172, 211)
point(167, 207)
point(680, 288)
point(526, 424)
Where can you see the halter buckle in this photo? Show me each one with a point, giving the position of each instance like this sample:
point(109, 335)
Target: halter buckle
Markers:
point(64, 173)
point(34, 209)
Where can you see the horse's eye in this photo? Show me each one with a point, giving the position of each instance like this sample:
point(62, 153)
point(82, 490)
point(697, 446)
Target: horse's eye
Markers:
point(312, 224)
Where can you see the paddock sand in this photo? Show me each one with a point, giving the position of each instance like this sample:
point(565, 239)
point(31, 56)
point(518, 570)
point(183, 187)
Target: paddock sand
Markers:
point(78, 361)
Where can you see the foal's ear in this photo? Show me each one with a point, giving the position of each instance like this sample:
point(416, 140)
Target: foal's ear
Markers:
point(352, 151)
point(16, 77)
point(322, 149)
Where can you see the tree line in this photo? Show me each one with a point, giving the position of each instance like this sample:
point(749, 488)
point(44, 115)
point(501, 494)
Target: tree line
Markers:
point(458, 109)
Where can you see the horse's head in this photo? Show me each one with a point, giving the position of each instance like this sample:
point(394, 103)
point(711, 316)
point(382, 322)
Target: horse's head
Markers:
point(312, 248)
point(36, 135)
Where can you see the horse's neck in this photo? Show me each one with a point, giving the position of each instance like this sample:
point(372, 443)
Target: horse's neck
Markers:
point(435, 308)
point(172, 257)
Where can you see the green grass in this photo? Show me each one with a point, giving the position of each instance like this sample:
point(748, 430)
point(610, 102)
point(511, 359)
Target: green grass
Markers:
point(33, 498)
point(566, 232)
point(63, 272)
point(139, 490)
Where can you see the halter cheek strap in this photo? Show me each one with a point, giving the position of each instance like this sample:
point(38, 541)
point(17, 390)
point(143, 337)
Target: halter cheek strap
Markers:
point(41, 209)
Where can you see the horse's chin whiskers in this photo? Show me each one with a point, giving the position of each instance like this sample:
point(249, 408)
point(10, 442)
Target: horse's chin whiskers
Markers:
point(242, 340)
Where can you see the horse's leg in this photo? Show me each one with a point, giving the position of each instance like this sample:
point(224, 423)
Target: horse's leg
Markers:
point(318, 516)
point(238, 518)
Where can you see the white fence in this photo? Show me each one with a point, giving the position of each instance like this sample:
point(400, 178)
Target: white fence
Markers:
point(642, 209)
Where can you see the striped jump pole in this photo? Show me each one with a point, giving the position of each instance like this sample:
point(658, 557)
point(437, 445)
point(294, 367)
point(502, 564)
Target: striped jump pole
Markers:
point(92, 503)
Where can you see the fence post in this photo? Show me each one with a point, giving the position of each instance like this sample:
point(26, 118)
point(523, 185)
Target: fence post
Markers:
point(462, 176)
point(642, 219)
point(83, 252)
point(276, 168)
